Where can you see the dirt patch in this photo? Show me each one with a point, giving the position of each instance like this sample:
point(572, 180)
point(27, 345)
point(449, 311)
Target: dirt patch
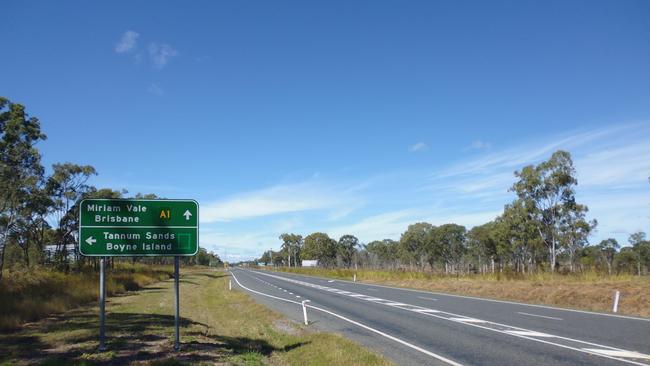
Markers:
point(289, 327)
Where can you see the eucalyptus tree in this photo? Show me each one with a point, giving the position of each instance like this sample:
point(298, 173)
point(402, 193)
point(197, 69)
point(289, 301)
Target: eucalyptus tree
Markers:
point(347, 249)
point(291, 244)
point(67, 186)
point(383, 252)
point(641, 248)
point(520, 235)
point(547, 189)
point(482, 243)
point(575, 230)
point(449, 244)
point(321, 247)
point(21, 172)
point(415, 247)
point(608, 248)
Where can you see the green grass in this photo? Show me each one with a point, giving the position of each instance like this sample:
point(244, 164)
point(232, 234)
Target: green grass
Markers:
point(29, 294)
point(587, 291)
point(218, 326)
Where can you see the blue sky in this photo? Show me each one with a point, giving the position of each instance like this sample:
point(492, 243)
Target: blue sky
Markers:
point(344, 117)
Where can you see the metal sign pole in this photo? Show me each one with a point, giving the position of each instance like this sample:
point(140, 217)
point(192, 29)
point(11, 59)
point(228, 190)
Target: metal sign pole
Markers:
point(102, 304)
point(177, 342)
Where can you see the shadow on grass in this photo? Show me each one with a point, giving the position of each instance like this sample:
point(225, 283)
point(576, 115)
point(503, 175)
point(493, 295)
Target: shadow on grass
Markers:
point(211, 275)
point(188, 281)
point(131, 337)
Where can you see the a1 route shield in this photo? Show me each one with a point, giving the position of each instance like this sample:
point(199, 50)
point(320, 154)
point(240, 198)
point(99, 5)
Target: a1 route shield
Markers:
point(125, 227)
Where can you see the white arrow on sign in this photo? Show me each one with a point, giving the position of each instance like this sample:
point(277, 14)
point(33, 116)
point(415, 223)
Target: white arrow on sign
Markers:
point(187, 214)
point(91, 241)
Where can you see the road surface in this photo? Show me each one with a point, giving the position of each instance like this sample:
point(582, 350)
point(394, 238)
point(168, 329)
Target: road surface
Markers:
point(413, 327)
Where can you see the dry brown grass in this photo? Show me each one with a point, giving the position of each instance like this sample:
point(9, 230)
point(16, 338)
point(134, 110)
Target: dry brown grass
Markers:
point(218, 327)
point(29, 294)
point(588, 291)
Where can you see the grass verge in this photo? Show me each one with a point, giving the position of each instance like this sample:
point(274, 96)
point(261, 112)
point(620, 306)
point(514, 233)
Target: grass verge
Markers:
point(30, 294)
point(588, 291)
point(218, 327)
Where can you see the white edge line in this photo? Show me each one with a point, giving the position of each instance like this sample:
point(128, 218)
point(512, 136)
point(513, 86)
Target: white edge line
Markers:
point(583, 350)
point(477, 298)
point(422, 350)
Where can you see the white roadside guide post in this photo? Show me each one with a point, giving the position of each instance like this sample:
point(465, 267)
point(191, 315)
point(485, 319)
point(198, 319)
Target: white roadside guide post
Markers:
point(304, 311)
point(230, 285)
point(617, 295)
point(355, 278)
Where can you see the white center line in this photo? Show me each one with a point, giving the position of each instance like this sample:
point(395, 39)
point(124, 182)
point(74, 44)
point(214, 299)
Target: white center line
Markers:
point(539, 316)
point(493, 326)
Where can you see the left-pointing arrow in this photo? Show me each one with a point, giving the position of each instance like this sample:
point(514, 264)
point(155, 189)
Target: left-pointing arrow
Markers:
point(91, 241)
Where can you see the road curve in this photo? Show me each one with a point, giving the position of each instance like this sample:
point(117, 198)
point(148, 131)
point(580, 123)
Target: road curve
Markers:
point(417, 327)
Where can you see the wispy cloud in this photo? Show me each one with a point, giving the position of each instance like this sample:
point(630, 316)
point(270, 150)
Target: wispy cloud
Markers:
point(128, 42)
point(518, 156)
point(387, 225)
point(478, 145)
point(611, 163)
point(418, 147)
point(272, 201)
point(612, 167)
point(161, 54)
point(155, 89)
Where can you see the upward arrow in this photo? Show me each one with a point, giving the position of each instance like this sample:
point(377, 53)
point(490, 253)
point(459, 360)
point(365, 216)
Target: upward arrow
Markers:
point(187, 214)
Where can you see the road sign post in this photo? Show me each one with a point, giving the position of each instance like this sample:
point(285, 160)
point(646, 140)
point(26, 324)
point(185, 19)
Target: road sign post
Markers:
point(102, 304)
point(177, 338)
point(134, 228)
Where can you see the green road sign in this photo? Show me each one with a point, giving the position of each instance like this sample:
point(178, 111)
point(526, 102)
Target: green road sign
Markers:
point(124, 227)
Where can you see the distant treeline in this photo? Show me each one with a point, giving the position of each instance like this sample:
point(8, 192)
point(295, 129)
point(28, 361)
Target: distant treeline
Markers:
point(543, 229)
point(39, 212)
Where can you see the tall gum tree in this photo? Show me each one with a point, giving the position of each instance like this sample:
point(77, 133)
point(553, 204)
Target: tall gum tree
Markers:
point(548, 192)
point(21, 172)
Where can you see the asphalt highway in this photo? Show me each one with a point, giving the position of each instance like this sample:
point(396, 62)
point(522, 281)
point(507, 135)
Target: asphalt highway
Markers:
point(413, 327)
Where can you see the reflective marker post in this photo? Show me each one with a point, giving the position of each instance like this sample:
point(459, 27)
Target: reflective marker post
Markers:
point(177, 339)
point(102, 304)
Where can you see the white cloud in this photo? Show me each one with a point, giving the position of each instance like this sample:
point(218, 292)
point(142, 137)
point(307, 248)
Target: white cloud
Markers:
point(155, 89)
point(612, 168)
point(479, 145)
point(128, 42)
point(418, 147)
point(519, 156)
point(160, 54)
point(629, 164)
point(272, 201)
point(387, 225)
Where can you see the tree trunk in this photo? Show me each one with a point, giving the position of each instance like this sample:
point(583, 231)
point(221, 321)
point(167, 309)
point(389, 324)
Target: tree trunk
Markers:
point(26, 254)
point(2, 258)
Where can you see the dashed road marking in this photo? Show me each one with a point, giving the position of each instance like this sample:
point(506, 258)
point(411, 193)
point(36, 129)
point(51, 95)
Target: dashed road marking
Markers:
point(616, 353)
point(619, 353)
